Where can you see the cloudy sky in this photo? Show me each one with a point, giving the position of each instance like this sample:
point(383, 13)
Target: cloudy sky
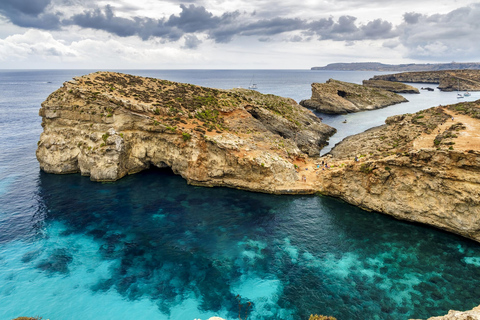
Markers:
point(234, 34)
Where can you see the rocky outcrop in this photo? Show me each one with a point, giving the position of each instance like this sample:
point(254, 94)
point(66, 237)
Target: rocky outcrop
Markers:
point(448, 80)
point(412, 168)
point(391, 86)
point(106, 125)
point(473, 314)
point(338, 97)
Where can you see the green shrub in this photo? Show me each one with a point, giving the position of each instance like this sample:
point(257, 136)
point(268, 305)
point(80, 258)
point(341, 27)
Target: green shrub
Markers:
point(186, 136)
point(365, 168)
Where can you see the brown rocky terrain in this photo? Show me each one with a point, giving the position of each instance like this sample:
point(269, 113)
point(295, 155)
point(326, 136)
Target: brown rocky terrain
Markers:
point(420, 167)
point(338, 97)
point(391, 86)
point(448, 80)
point(106, 125)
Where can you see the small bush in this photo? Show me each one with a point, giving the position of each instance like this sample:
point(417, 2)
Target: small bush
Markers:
point(186, 136)
point(365, 168)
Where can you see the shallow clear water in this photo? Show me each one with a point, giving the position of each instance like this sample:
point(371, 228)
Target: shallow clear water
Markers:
point(151, 247)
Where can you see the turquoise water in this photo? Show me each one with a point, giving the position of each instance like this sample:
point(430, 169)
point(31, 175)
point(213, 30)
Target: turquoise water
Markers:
point(151, 247)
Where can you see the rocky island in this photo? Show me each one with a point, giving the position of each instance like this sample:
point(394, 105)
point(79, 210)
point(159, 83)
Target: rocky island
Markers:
point(447, 80)
point(106, 125)
point(339, 97)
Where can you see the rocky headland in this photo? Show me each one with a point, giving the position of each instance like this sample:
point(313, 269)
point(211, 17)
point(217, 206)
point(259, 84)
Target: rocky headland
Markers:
point(106, 125)
point(391, 86)
point(420, 167)
point(447, 80)
point(339, 97)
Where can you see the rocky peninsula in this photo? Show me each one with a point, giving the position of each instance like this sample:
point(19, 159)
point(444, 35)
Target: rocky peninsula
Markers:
point(447, 80)
point(339, 97)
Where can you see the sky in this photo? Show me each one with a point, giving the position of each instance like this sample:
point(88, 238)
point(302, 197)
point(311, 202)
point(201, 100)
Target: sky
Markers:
point(234, 34)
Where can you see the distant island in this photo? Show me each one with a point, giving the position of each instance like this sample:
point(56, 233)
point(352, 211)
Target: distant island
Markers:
point(377, 66)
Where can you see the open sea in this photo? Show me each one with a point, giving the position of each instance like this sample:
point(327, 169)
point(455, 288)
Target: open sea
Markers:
point(149, 246)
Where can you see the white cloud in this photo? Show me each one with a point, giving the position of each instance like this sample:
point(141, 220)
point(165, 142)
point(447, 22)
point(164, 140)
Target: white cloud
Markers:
point(36, 44)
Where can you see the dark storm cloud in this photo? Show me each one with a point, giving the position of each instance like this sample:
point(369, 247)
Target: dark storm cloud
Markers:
point(411, 17)
point(191, 42)
point(30, 13)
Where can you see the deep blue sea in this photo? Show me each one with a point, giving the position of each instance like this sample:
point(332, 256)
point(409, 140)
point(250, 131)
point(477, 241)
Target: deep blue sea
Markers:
point(149, 246)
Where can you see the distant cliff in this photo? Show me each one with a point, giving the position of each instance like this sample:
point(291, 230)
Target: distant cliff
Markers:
point(376, 66)
point(339, 97)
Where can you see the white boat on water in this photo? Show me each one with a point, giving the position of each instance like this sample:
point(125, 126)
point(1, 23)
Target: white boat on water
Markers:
point(467, 94)
point(253, 85)
point(459, 96)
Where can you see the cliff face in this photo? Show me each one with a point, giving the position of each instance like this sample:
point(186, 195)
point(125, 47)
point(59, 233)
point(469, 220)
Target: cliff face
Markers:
point(338, 97)
point(422, 167)
point(448, 80)
point(106, 125)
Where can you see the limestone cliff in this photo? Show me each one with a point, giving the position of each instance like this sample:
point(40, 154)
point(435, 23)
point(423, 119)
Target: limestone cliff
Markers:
point(338, 97)
point(421, 167)
point(448, 80)
point(106, 125)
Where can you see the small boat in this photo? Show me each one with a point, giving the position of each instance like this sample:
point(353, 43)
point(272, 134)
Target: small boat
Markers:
point(459, 96)
point(253, 85)
point(467, 94)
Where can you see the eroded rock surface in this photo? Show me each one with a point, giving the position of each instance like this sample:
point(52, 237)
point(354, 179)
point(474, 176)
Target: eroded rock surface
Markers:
point(421, 167)
point(338, 97)
point(106, 125)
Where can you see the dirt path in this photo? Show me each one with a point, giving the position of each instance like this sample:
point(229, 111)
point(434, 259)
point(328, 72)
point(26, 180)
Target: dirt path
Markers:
point(467, 139)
